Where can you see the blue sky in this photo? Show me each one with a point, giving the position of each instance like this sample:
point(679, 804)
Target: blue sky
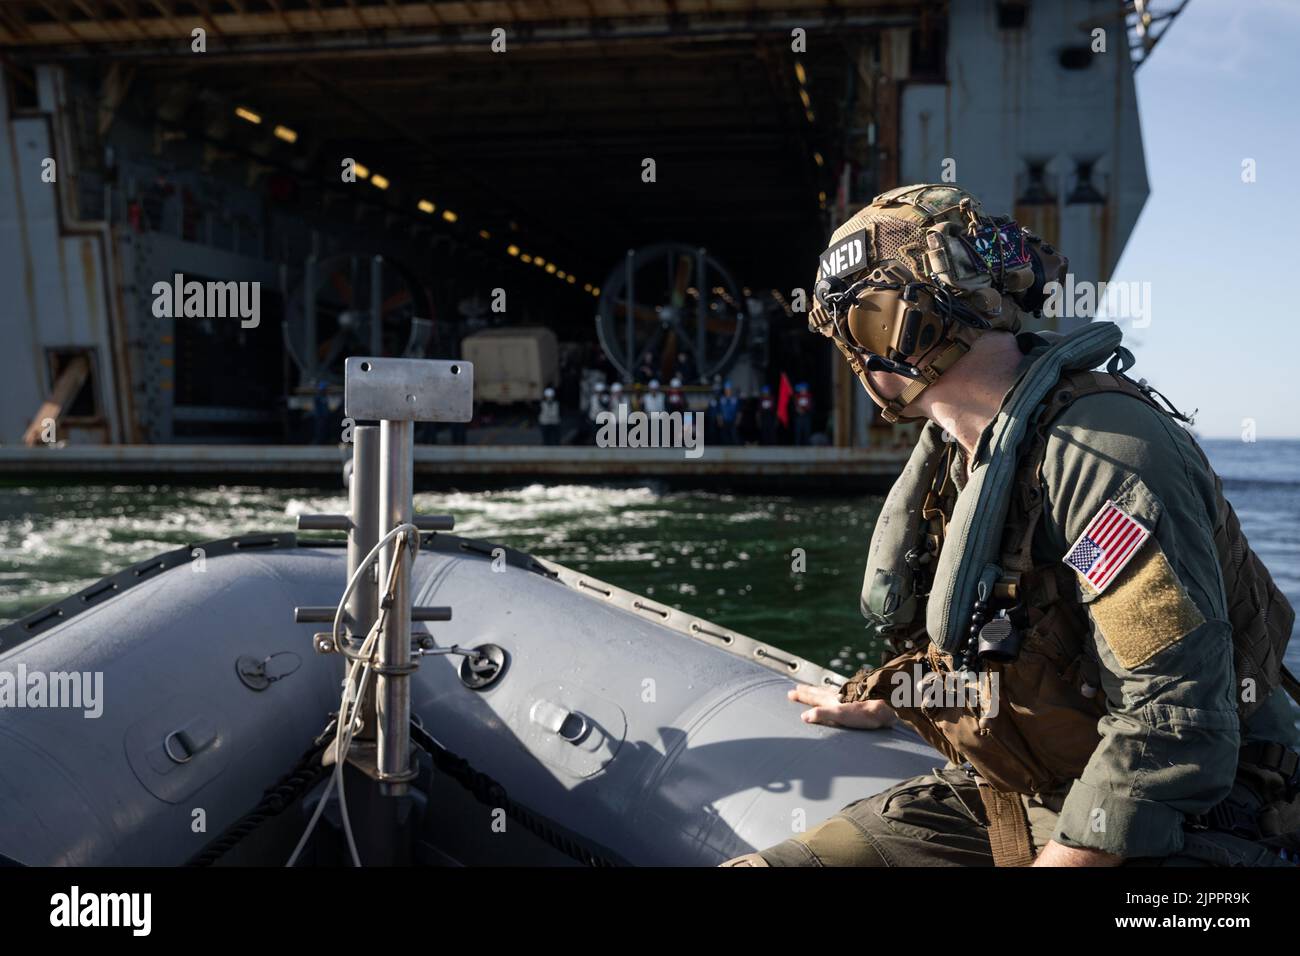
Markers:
point(1222, 256)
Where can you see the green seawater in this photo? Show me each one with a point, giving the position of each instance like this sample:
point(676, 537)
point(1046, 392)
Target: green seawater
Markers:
point(784, 570)
point(727, 558)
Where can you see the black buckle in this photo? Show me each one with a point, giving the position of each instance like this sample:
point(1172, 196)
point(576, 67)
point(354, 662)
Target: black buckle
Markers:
point(1226, 817)
point(1230, 817)
point(1278, 758)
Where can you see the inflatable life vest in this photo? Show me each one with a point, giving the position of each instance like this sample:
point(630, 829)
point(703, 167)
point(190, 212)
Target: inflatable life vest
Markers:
point(937, 558)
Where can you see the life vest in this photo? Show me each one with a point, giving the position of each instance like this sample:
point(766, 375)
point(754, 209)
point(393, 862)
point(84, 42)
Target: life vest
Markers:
point(1045, 727)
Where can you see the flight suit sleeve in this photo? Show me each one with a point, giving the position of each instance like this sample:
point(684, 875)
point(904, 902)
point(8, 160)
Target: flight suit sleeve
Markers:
point(1160, 631)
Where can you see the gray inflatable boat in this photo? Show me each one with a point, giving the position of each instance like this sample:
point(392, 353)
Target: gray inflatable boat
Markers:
point(187, 709)
point(650, 736)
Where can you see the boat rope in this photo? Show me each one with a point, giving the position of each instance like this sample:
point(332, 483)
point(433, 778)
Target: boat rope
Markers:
point(284, 793)
point(354, 689)
point(308, 771)
point(491, 793)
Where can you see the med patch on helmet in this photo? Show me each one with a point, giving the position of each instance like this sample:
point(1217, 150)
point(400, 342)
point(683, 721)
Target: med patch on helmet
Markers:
point(847, 256)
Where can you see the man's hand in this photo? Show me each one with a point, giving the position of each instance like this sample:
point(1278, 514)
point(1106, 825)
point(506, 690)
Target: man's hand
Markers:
point(825, 708)
point(1058, 854)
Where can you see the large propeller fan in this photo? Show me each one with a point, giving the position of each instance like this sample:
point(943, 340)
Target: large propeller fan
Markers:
point(332, 314)
point(667, 299)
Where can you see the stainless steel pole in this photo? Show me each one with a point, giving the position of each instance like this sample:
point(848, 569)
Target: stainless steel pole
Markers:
point(363, 606)
point(393, 688)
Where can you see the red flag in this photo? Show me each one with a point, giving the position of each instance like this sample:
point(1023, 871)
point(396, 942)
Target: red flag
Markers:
point(784, 393)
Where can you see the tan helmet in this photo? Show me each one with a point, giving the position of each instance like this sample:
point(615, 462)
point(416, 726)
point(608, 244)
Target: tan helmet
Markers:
point(912, 279)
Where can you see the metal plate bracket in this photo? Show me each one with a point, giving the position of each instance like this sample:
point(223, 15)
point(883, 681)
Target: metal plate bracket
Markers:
point(408, 390)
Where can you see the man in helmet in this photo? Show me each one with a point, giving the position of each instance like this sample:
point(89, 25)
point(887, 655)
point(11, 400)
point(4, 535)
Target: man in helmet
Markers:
point(803, 412)
point(653, 400)
point(766, 416)
point(598, 403)
point(675, 400)
point(729, 414)
point(1077, 622)
point(548, 417)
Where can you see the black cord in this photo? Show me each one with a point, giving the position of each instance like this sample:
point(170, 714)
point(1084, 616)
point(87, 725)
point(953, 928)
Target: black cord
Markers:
point(1148, 389)
point(491, 793)
point(305, 774)
point(308, 771)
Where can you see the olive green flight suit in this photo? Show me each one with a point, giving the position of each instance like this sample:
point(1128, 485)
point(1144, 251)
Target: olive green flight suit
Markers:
point(1170, 736)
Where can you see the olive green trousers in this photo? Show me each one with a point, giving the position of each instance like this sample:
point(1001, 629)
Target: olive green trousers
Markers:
point(938, 819)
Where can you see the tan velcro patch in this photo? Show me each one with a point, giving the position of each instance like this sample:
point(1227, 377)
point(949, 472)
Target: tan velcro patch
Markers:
point(1145, 610)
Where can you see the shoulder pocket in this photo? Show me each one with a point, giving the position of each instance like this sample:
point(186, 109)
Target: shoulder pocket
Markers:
point(1139, 502)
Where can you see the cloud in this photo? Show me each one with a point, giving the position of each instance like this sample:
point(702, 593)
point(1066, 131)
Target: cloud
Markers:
point(1229, 37)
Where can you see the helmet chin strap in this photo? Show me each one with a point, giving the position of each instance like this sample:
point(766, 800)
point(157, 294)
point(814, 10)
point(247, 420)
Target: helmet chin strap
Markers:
point(891, 409)
point(960, 339)
point(930, 372)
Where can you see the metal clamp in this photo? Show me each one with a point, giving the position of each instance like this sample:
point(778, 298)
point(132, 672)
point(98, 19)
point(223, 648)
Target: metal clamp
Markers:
point(394, 670)
point(405, 776)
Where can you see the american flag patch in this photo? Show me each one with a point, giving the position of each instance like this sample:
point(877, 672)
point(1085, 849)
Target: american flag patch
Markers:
point(1105, 546)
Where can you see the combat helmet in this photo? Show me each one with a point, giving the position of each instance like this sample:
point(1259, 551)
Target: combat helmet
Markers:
point(912, 279)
